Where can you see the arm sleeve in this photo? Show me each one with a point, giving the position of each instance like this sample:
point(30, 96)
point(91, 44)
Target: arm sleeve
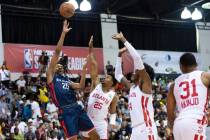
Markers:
point(138, 63)
point(118, 69)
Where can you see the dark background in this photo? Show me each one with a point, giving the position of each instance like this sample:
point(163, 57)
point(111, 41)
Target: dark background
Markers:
point(148, 24)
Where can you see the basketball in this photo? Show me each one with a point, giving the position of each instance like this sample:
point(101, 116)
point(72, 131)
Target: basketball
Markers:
point(66, 10)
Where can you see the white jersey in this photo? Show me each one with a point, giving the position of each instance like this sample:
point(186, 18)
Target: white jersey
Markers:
point(141, 107)
point(98, 103)
point(191, 96)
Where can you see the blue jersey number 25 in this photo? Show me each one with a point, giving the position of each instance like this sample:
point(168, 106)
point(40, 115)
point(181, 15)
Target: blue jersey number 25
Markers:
point(65, 85)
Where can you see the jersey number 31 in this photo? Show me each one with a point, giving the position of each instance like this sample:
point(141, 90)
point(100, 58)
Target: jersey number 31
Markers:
point(186, 88)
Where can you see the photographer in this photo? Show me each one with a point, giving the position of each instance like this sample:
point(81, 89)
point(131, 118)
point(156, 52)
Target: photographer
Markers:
point(43, 62)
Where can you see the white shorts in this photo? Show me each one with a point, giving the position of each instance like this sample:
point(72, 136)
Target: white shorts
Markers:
point(189, 129)
point(101, 129)
point(144, 133)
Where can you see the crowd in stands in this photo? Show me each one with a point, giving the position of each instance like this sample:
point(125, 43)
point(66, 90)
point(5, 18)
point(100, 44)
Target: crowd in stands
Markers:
point(27, 111)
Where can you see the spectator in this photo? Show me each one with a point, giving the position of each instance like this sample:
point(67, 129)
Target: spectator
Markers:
point(30, 135)
point(43, 95)
point(5, 75)
point(4, 109)
point(109, 68)
point(17, 134)
point(36, 111)
point(43, 62)
point(52, 110)
point(27, 111)
point(21, 83)
point(23, 128)
point(31, 125)
point(41, 132)
point(124, 133)
point(5, 128)
point(12, 130)
point(161, 130)
point(37, 122)
point(45, 118)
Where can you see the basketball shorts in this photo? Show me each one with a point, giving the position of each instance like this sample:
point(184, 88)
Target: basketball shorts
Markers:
point(101, 129)
point(73, 120)
point(144, 133)
point(189, 129)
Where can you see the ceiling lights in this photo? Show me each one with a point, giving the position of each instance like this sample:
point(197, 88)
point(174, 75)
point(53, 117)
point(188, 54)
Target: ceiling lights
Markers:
point(186, 14)
point(84, 5)
point(206, 5)
point(196, 15)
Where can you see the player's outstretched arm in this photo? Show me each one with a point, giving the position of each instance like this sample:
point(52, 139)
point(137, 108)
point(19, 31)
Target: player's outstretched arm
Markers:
point(118, 70)
point(138, 63)
point(93, 66)
point(81, 84)
point(55, 57)
point(171, 105)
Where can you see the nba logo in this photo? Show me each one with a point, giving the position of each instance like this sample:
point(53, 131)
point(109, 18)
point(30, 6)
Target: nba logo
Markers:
point(28, 58)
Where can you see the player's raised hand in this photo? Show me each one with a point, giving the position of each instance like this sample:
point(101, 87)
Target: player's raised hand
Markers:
point(84, 67)
point(90, 44)
point(66, 27)
point(119, 36)
point(121, 51)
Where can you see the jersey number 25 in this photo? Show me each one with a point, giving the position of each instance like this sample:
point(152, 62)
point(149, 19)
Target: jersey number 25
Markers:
point(98, 105)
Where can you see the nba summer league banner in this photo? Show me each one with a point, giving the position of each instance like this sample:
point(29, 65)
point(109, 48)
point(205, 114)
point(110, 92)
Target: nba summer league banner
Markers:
point(22, 57)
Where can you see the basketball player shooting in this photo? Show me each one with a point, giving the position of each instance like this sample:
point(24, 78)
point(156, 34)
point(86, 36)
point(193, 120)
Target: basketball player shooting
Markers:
point(102, 99)
point(71, 115)
point(140, 95)
point(188, 97)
